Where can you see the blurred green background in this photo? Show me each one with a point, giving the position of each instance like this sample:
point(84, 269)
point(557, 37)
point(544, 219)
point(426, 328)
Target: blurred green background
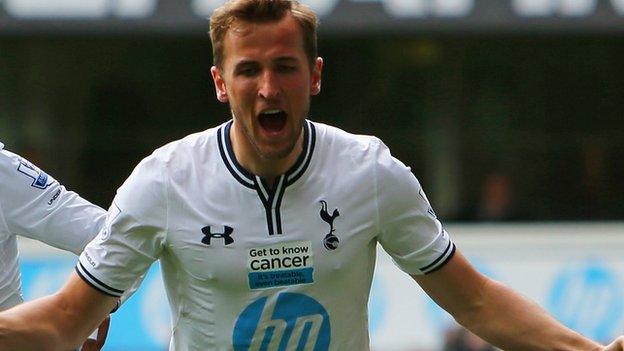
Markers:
point(498, 125)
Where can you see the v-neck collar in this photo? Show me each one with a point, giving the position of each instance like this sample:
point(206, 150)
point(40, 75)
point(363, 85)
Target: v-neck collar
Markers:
point(271, 197)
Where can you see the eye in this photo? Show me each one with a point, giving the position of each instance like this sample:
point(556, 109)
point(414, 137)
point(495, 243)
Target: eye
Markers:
point(286, 68)
point(248, 71)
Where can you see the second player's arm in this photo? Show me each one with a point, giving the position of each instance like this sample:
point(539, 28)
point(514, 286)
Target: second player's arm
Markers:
point(497, 313)
point(57, 322)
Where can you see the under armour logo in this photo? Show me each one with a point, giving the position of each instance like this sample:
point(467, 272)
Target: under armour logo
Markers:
point(331, 241)
point(226, 235)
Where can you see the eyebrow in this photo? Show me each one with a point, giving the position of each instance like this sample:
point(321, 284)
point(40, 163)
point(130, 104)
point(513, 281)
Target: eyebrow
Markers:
point(281, 59)
point(242, 63)
point(286, 59)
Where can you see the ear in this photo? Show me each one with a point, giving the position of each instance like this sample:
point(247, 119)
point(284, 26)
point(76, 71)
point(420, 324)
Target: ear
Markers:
point(219, 84)
point(315, 82)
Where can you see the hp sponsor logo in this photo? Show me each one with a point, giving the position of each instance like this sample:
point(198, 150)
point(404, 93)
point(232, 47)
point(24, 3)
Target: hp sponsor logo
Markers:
point(290, 322)
point(588, 298)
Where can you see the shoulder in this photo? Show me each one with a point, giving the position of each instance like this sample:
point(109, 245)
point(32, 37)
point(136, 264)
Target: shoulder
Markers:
point(188, 149)
point(363, 151)
point(361, 146)
point(329, 133)
point(17, 172)
point(336, 141)
point(178, 154)
point(150, 178)
point(357, 151)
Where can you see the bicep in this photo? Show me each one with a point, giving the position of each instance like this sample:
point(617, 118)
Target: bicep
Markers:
point(54, 216)
point(37, 206)
point(71, 223)
point(83, 307)
point(457, 287)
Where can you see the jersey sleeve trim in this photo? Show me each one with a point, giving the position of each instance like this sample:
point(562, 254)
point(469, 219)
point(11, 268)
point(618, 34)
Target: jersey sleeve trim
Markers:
point(117, 305)
point(96, 283)
point(440, 261)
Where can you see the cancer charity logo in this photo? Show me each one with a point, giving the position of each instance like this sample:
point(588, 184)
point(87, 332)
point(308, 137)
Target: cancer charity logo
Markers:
point(281, 322)
point(283, 264)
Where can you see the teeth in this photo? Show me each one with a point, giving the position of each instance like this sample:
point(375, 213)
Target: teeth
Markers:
point(271, 112)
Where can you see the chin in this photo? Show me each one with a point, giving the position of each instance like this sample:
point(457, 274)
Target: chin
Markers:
point(275, 154)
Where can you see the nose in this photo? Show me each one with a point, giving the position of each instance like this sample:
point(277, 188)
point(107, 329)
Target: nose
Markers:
point(269, 86)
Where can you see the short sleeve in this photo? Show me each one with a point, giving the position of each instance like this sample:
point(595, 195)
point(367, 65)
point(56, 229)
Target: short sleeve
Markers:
point(133, 235)
point(409, 229)
point(35, 205)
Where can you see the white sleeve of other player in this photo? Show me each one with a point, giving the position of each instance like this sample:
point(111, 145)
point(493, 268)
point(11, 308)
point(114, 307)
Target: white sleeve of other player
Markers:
point(409, 229)
point(35, 205)
point(133, 235)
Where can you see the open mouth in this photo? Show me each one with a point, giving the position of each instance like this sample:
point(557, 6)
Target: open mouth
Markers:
point(272, 120)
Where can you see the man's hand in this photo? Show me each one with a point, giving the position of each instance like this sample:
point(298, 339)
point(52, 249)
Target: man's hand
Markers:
point(617, 345)
point(97, 343)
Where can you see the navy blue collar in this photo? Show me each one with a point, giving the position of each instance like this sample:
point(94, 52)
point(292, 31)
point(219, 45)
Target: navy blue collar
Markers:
point(249, 179)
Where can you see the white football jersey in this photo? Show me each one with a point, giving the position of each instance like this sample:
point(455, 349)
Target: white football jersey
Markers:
point(252, 267)
point(35, 205)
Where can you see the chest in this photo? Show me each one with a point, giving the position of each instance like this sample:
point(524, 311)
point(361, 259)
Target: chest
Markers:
point(235, 237)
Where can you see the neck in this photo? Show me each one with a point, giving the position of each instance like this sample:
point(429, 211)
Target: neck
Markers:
point(248, 156)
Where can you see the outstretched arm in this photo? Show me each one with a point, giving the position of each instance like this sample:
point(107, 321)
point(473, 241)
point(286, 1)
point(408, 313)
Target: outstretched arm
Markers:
point(57, 322)
point(498, 314)
point(616, 345)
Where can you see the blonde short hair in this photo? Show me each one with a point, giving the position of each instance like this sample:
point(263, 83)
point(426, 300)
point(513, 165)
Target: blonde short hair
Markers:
point(258, 11)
